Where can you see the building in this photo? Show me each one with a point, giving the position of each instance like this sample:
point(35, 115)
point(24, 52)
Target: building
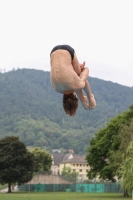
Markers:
point(76, 162)
point(57, 159)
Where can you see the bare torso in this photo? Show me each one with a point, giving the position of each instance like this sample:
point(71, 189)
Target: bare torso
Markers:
point(63, 77)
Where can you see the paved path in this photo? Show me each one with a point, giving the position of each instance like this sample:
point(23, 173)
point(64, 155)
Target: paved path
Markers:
point(6, 189)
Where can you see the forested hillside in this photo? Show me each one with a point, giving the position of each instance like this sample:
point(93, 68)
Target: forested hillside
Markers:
point(32, 110)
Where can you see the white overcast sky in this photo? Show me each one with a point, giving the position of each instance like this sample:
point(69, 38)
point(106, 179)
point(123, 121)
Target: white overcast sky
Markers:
point(100, 31)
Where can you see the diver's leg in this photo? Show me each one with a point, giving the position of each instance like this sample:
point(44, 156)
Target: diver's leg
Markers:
point(84, 74)
point(87, 89)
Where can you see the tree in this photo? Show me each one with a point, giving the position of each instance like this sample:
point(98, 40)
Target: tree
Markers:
point(104, 145)
point(16, 163)
point(69, 174)
point(126, 168)
point(125, 137)
point(43, 160)
point(31, 110)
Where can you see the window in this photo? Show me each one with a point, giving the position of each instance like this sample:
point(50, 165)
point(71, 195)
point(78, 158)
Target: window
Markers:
point(77, 165)
point(80, 164)
point(87, 170)
point(80, 170)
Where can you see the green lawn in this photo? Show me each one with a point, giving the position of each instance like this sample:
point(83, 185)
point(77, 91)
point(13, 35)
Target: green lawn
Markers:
point(61, 196)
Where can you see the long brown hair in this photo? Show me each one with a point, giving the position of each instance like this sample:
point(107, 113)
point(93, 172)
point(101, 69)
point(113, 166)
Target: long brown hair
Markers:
point(70, 104)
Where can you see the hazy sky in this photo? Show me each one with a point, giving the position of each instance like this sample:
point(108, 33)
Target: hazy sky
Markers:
point(100, 31)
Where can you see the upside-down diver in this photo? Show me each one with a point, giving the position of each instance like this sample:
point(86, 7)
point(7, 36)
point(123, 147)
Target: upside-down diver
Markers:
point(69, 77)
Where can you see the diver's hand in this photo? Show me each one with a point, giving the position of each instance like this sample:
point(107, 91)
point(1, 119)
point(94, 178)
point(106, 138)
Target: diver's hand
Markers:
point(82, 66)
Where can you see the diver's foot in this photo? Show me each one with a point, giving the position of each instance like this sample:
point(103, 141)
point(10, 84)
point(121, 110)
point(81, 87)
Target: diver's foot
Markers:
point(92, 102)
point(85, 103)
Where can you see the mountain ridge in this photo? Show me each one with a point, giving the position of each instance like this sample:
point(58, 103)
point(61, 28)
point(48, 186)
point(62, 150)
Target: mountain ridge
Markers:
point(32, 110)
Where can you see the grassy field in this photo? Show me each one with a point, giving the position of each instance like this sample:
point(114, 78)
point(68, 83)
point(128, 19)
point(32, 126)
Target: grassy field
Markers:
point(61, 196)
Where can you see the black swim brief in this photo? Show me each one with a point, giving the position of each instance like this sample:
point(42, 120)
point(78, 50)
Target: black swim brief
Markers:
point(64, 47)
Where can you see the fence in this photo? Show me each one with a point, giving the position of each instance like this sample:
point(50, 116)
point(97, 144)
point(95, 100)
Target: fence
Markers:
point(58, 183)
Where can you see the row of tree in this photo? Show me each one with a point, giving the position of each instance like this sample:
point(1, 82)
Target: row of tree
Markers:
point(110, 154)
point(17, 164)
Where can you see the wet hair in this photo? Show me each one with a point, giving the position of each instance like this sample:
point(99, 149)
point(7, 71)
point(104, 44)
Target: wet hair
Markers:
point(70, 104)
